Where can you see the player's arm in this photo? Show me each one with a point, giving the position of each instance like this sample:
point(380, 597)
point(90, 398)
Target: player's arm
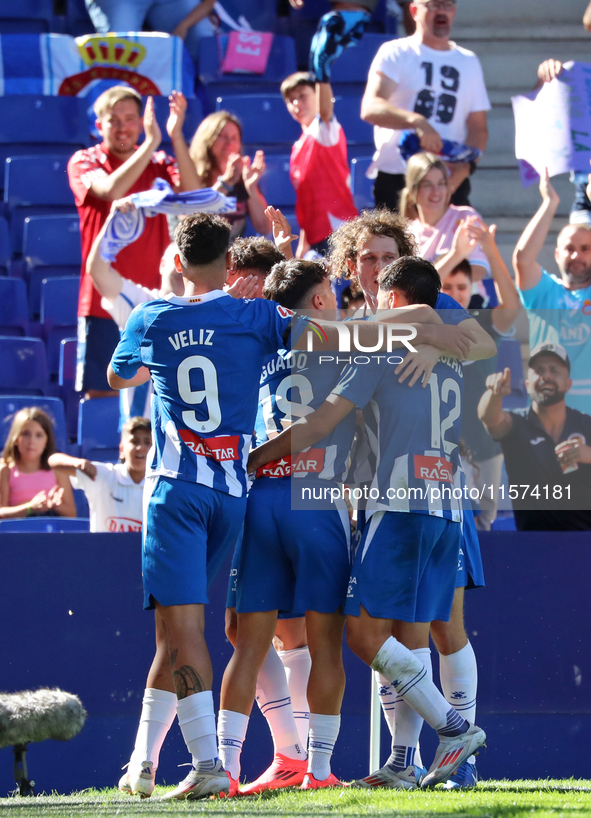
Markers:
point(497, 421)
point(528, 271)
point(106, 279)
point(117, 382)
point(116, 185)
point(587, 18)
point(324, 101)
point(200, 12)
point(377, 110)
point(68, 465)
point(303, 433)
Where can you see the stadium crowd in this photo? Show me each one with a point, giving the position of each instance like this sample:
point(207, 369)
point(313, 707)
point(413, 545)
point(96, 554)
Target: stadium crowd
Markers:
point(349, 486)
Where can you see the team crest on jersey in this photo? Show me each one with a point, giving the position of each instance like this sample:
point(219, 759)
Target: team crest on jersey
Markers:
point(284, 312)
point(433, 468)
point(224, 447)
point(310, 462)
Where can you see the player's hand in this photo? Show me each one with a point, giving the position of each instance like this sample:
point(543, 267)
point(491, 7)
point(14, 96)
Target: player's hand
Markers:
point(455, 340)
point(463, 242)
point(282, 235)
point(88, 468)
point(428, 137)
point(178, 108)
point(418, 364)
point(499, 383)
point(243, 287)
point(151, 127)
point(296, 4)
point(482, 234)
point(252, 171)
point(546, 190)
point(124, 205)
point(549, 70)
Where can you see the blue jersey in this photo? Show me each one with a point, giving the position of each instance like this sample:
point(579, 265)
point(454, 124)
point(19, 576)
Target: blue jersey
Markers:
point(205, 354)
point(413, 432)
point(294, 384)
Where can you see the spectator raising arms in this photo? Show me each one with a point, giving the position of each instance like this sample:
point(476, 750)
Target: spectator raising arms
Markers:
point(28, 485)
point(434, 221)
point(216, 150)
point(113, 490)
point(428, 84)
point(99, 175)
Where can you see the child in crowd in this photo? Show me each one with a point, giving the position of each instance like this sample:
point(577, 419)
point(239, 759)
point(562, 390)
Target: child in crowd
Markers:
point(318, 166)
point(28, 485)
point(113, 490)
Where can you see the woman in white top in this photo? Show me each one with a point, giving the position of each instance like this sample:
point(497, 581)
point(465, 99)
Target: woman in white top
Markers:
point(435, 222)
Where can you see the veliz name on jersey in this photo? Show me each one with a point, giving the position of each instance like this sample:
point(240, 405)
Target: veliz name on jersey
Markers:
point(224, 447)
point(188, 338)
point(433, 468)
point(310, 462)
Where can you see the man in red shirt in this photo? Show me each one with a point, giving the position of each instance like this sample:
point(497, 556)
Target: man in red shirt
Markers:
point(99, 175)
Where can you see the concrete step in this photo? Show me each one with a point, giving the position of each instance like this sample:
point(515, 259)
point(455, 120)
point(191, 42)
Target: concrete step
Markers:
point(510, 66)
point(498, 191)
point(530, 14)
point(500, 152)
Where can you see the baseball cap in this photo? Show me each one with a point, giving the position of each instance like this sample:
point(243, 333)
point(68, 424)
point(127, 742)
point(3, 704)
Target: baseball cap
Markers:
point(550, 349)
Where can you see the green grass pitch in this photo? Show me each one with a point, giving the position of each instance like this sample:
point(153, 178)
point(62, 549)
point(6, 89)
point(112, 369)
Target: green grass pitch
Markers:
point(492, 799)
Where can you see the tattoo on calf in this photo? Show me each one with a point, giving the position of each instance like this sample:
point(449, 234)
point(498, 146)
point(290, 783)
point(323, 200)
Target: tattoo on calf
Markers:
point(186, 681)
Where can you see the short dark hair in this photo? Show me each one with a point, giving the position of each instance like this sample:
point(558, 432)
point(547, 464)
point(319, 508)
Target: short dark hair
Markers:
point(463, 267)
point(202, 238)
point(254, 253)
point(290, 282)
point(296, 80)
point(137, 424)
point(416, 278)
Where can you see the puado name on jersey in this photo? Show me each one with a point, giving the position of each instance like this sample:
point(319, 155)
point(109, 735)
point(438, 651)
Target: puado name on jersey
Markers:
point(191, 338)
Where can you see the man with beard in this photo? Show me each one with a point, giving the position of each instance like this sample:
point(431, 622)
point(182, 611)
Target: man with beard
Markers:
point(547, 457)
point(559, 309)
point(428, 84)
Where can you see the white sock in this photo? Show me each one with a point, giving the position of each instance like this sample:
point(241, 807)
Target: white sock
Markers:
point(297, 664)
point(158, 713)
point(273, 698)
point(408, 724)
point(323, 734)
point(410, 678)
point(458, 674)
point(197, 723)
point(232, 728)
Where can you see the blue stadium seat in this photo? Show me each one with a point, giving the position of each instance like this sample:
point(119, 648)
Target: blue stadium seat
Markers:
point(5, 247)
point(26, 16)
point(45, 525)
point(193, 117)
point(98, 429)
point(362, 186)
point(51, 247)
point(275, 184)
point(10, 404)
point(509, 354)
point(35, 186)
point(59, 308)
point(14, 307)
point(23, 366)
point(349, 72)
point(282, 61)
point(33, 124)
point(264, 117)
point(67, 381)
point(358, 133)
